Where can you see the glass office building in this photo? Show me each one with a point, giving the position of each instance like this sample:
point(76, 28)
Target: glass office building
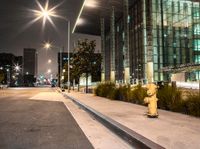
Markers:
point(146, 39)
point(165, 32)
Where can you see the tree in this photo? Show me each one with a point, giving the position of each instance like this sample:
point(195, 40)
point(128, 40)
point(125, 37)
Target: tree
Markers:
point(85, 60)
point(75, 69)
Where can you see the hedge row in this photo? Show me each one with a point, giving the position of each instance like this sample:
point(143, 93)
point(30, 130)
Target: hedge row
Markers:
point(170, 98)
point(124, 93)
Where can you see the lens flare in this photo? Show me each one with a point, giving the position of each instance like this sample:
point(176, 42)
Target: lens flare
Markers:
point(45, 13)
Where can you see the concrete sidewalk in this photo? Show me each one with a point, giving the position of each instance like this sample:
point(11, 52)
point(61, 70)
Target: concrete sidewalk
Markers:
point(171, 130)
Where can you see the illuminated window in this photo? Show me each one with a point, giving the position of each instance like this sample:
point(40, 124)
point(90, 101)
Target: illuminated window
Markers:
point(129, 18)
point(195, 12)
point(196, 44)
point(197, 74)
point(123, 36)
point(197, 59)
point(197, 29)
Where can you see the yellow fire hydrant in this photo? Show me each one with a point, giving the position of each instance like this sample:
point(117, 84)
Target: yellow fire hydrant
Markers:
point(151, 100)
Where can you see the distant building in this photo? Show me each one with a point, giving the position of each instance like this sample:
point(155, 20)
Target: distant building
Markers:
point(61, 62)
point(11, 68)
point(30, 62)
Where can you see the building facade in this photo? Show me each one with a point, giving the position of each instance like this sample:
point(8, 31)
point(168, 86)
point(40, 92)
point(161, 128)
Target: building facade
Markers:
point(30, 61)
point(62, 61)
point(169, 31)
point(30, 66)
point(148, 37)
point(162, 33)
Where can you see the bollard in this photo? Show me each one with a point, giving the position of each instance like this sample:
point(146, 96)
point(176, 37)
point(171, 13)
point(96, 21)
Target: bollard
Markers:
point(151, 100)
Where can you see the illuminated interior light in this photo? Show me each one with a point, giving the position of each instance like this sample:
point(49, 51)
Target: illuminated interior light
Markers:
point(91, 3)
point(165, 23)
point(80, 21)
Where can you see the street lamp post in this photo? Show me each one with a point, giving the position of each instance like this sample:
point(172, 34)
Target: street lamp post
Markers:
point(68, 80)
point(46, 14)
point(48, 46)
point(8, 77)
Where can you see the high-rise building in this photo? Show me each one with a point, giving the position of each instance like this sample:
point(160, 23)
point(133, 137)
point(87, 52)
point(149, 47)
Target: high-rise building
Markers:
point(149, 40)
point(30, 62)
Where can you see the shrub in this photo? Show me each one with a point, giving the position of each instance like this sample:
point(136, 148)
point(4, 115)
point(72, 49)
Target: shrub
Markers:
point(122, 93)
point(169, 98)
point(192, 105)
point(105, 89)
point(137, 94)
point(109, 90)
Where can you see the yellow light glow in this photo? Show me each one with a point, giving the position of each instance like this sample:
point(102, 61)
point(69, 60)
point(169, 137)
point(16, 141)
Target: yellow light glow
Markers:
point(46, 13)
point(47, 45)
point(91, 3)
point(80, 21)
point(17, 67)
point(49, 61)
point(49, 71)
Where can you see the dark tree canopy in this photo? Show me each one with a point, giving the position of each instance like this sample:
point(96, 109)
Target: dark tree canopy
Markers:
point(85, 61)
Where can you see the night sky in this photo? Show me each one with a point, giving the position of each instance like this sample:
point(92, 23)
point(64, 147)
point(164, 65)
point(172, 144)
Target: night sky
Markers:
point(15, 35)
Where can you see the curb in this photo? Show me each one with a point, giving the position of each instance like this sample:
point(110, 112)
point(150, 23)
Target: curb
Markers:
point(134, 139)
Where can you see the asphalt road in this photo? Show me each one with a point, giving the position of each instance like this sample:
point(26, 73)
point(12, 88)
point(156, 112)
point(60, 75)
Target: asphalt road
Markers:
point(35, 124)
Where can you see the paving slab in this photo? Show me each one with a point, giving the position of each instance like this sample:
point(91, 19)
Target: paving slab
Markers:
point(171, 130)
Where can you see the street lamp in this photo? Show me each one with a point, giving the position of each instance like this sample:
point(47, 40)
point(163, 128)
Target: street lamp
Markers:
point(17, 68)
point(47, 46)
point(49, 61)
point(49, 71)
point(46, 14)
point(8, 76)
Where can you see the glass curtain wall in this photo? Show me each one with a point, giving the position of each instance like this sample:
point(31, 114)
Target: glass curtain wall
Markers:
point(181, 33)
point(175, 34)
point(119, 61)
point(196, 38)
point(164, 31)
point(136, 27)
point(107, 57)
